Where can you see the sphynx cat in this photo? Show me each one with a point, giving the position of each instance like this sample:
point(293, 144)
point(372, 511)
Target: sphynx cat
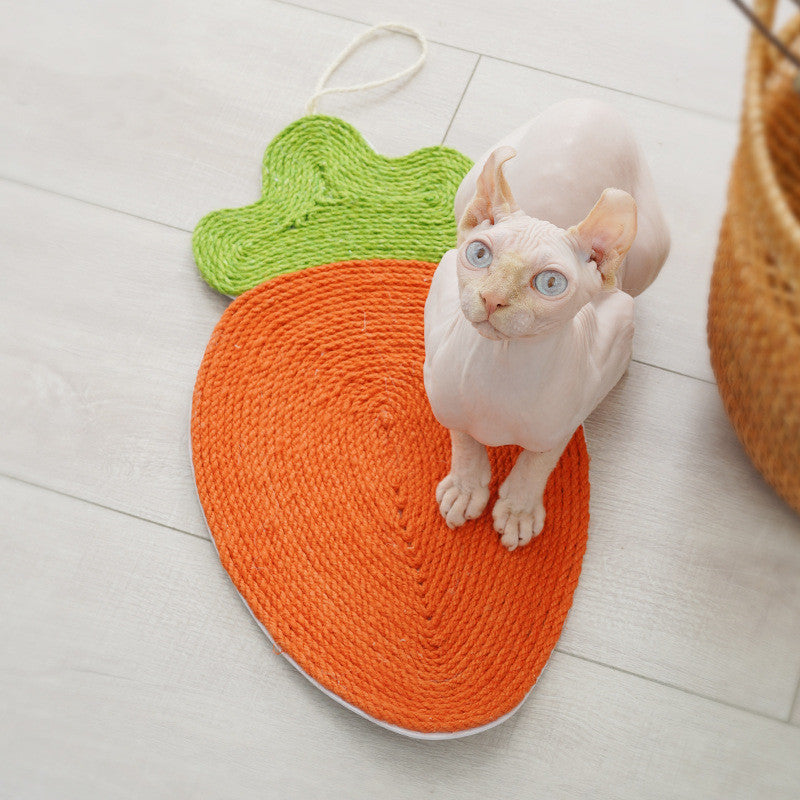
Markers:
point(529, 320)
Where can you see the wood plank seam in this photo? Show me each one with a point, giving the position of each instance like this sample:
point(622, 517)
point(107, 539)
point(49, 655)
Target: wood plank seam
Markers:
point(675, 372)
point(92, 203)
point(559, 649)
point(693, 109)
point(14, 181)
point(794, 711)
point(112, 509)
point(461, 99)
point(668, 685)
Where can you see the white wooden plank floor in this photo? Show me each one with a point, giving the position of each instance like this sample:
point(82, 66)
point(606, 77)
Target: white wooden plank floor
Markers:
point(129, 666)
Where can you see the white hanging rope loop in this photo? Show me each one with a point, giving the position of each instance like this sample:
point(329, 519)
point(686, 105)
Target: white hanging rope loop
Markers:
point(320, 90)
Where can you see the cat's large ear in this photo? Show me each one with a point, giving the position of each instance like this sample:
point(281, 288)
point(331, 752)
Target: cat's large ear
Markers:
point(493, 199)
point(608, 232)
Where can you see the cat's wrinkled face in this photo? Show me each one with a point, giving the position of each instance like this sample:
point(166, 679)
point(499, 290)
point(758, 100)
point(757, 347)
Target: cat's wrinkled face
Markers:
point(523, 277)
point(519, 276)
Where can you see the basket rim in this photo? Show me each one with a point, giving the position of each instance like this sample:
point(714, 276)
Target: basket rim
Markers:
point(762, 60)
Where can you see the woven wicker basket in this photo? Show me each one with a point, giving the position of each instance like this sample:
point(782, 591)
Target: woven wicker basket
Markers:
point(754, 304)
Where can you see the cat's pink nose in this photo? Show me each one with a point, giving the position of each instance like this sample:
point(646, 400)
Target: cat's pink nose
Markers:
point(492, 302)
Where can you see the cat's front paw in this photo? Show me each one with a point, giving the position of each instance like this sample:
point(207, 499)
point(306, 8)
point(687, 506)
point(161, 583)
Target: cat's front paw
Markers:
point(460, 499)
point(517, 526)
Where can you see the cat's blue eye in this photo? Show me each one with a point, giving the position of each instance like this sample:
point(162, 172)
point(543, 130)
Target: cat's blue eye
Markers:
point(478, 254)
point(550, 282)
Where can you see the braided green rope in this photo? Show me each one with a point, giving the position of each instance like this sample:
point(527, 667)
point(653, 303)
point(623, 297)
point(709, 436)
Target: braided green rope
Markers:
point(328, 196)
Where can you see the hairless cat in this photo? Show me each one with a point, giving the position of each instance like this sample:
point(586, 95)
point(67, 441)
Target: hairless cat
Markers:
point(529, 320)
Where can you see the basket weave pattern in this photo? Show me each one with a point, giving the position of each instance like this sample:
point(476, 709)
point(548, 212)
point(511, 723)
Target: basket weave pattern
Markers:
point(754, 303)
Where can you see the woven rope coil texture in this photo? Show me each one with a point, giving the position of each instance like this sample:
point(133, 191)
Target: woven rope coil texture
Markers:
point(754, 302)
point(328, 196)
point(316, 458)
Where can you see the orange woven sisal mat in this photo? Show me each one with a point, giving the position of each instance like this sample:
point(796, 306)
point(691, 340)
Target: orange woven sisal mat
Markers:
point(316, 457)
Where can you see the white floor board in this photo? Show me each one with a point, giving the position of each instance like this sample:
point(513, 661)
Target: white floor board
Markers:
point(103, 322)
point(691, 576)
point(684, 52)
point(163, 110)
point(129, 666)
point(692, 572)
point(167, 119)
point(132, 670)
point(689, 156)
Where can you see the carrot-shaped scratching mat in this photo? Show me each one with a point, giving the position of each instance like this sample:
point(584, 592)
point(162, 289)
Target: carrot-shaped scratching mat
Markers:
point(316, 457)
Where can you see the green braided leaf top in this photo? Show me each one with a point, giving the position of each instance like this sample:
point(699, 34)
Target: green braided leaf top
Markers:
point(328, 196)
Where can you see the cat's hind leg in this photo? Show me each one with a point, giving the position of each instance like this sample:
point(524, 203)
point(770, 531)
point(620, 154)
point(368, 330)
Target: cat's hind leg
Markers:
point(519, 511)
point(463, 494)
